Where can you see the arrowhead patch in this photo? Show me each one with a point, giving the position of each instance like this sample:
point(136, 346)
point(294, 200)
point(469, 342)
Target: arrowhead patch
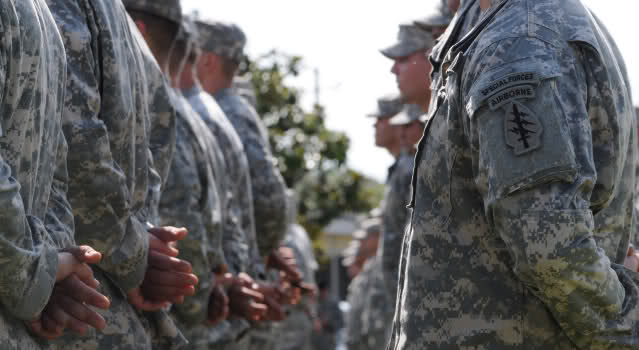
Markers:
point(522, 128)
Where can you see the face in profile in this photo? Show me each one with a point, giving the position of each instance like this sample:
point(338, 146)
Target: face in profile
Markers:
point(413, 77)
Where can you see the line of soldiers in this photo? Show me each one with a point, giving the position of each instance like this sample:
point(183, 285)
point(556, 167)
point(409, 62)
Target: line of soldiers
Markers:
point(122, 124)
point(519, 229)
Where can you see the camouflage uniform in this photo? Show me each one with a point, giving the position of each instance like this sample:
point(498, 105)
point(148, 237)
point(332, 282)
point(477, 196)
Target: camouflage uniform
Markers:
point(523, 188)
point(110, 164)
point(332, 321)
point(358, 291)
point(239, 242)
point(295, 332)
point(191, 199)
point(268, 187)
point(36, 216)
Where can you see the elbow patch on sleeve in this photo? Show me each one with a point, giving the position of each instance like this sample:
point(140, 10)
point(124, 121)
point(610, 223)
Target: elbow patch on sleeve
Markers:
point(520, 129)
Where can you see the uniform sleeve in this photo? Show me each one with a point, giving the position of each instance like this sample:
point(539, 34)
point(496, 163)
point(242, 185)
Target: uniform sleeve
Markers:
point(98, 189)
point(269, 189)
point(29, 261)
point(394, 224)
point(187, 202)
point(532, 150)
point(59, 217)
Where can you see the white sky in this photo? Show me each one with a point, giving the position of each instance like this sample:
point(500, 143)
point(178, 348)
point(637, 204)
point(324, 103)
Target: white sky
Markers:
point(341, 38)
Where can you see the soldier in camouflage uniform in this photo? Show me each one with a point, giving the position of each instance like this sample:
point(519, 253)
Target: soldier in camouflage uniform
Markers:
point(295, 332)
point(523, 187)
point(222, 46)
point(239, 240)
point(411, 65)
point(37, 223)
point(106, 122)
point(359, 290)
point(226, 41)
point(191, 196)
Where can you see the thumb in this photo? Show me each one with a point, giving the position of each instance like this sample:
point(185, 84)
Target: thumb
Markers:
point(169, 234)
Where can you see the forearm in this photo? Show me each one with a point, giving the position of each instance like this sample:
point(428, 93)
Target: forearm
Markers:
point(556, 257)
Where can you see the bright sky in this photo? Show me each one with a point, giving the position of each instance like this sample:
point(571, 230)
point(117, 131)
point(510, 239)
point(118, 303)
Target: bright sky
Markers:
point(341, 38)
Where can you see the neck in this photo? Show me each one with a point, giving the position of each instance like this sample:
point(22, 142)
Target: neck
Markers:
point(215, 84)
point(187, 79)
point(485, 4)
point(395, 151)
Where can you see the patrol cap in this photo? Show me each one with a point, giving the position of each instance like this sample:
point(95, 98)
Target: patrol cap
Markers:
point(439, 15)
point(223, 39)
point(409, 114)
point(387, 106)
point(167, 9)
point(370, 227)
point(410, 40)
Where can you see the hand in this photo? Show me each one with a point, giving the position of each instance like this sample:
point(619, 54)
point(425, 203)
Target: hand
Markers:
point(245, 302)
point(138, 300)
point(632, 260)
point(167, 279)
point(284, 260)
point(68, 306)
point(218, 309)
point(73, 260)
point(273, 298)
point(164, 239)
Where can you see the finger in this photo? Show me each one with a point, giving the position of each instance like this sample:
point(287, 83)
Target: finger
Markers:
point(253, 294)
point(81, 313)
point(85, 274)
point(155, 244)
point(168, 263)
point(137, 300)
point(62, 319)
point(166, 293)
point(50, 328)
point(169, 233)
point(85, 254)
point(82, 293)
point(169, 278)
point(37, 329)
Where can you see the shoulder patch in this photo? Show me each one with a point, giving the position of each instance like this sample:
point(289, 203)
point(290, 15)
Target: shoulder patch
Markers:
point(508, 81)
point(522, 129)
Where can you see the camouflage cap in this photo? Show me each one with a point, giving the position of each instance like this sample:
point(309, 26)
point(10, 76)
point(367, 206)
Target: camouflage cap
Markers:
point(409, 114)
point(370, 227)
point(223, 39)
point(411, 39)
point(167, 9)
point(387, 106)
point(439, 15)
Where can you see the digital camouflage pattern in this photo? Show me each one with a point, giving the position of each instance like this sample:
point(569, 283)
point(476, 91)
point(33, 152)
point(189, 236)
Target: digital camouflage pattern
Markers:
point(395, 218)
point(238, 242)
point(523, 188)
point(36, 216)
point(295, 332)
point(223, 39)
point(411, 39)
point(190, 199)
point(109, 163)
point(167, 9)
point(357, 292)
point(268, 187)
point(378, 307)
point(387, 106)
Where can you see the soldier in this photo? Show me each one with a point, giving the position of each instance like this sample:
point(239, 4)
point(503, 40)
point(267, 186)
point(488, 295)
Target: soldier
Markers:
point(295, 332)
point(366, 240)
point(240, 244)
point(45, 282)
point(222, 49)
point(191, 197)
point(411, 66)
point(523, 187)
point(106, 123)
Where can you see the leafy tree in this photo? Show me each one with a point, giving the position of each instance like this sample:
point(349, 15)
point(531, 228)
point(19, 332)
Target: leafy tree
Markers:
point(311, 157)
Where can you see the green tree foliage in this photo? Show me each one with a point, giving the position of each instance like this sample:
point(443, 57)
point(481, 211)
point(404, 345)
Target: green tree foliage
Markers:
point(311, 157)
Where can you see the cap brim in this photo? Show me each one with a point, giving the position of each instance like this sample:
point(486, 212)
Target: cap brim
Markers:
point(398, 50)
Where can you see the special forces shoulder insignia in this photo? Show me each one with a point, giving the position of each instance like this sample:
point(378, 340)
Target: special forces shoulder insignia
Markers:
point(522, 129)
